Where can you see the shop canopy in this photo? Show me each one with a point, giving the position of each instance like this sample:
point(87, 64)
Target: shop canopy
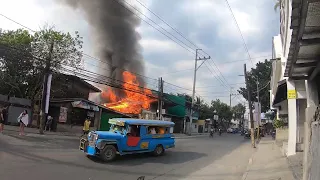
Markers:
point(304, 51)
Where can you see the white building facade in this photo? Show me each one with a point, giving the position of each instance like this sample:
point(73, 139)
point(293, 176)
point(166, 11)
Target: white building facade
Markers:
point(295, 66)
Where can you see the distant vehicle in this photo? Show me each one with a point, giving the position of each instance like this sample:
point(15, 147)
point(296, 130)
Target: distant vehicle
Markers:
point(129, 136)
point(229, 130)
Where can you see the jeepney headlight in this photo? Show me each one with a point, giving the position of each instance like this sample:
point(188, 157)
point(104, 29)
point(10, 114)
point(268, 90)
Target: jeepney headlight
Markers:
point(96, 137)
point(89, 134)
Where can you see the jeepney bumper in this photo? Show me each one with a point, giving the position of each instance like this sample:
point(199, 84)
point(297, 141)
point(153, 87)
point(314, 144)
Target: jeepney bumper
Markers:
point(87, 148)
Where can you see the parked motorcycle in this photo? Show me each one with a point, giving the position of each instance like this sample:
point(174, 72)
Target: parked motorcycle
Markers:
point(219, 132)
point(273, 134)
point(247, 135)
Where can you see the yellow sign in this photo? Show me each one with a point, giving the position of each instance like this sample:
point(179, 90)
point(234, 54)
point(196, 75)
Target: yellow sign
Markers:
point(144, 145)
point(292, 94)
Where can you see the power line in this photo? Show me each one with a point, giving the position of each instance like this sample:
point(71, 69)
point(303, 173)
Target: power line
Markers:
point(17, 22)
point(157, 24)
point(82, 53)
point(218, 86)
point(166, 30)
point(153, 26)
point(244, 42)
point(167, 24)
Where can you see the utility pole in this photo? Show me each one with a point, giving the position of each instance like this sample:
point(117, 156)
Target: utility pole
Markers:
point(160, 93)
point(258, 113)
point(250, 106)
point(194, 84)
point(230, 95)
point(159, 98)
point(46, 90)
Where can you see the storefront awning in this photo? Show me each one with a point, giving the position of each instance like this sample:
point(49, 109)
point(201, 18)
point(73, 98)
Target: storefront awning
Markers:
point(281, 94)
point(84, 105)
point(304, 51)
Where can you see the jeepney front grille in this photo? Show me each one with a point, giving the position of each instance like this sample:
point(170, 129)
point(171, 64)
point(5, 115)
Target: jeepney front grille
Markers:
point(92, 139)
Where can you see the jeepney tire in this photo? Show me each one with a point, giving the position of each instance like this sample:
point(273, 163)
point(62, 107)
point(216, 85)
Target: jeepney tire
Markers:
point(109, 153)
point(159, 150)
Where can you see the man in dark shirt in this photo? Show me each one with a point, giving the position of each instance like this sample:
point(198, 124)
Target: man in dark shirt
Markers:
point(3, 118)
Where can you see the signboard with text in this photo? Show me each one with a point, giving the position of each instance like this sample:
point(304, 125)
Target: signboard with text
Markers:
point(292, 94)
point(63, 114)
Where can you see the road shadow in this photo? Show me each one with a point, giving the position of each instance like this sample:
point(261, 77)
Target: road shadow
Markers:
point(141, 164)
point(170, 157)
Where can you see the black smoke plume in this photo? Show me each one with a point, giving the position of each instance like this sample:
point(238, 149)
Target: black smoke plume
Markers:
point(115, 39)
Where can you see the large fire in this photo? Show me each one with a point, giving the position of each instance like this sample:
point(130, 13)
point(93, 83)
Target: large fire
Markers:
point(136, 98)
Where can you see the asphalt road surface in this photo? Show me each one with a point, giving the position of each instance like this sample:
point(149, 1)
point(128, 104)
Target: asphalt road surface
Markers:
point(58, 158)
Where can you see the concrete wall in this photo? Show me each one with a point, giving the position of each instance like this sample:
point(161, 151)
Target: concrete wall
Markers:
point(302, 105)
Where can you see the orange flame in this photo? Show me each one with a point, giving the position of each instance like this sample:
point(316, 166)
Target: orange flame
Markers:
point(133, 102)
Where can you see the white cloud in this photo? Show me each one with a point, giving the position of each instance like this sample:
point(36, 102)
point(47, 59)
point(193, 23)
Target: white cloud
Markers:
point(157, 45)
point(218, 14)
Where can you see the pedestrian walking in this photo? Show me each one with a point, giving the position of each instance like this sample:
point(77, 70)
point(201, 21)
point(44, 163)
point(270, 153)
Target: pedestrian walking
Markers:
point(86, 126)
point(48, 123)
point(23, 119)
point(3, 118)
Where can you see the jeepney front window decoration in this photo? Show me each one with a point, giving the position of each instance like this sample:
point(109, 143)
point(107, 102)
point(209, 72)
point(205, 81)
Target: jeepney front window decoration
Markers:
point(118, 128)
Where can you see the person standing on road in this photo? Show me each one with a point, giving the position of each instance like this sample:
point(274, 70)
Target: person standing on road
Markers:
point(23, 119)
point(3, 118)
point(48, 123)
point(86, 126)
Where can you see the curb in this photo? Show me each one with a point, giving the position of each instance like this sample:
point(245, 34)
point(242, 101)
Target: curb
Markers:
point(245, 174)
point(186, 137)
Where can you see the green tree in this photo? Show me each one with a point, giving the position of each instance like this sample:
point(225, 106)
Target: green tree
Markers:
point(223, 110)
point(277, 5)
point(16, 62)
point(260, 73)
point(25, 58)
point(238, 110)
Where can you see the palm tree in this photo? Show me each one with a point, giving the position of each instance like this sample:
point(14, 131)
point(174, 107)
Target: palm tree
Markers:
point(277, 5)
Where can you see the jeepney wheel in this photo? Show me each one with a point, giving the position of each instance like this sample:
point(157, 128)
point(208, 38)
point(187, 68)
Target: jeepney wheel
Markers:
point(158, 151)
point(108, 153)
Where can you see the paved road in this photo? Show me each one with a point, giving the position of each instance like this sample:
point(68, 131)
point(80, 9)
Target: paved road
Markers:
point(30, 158)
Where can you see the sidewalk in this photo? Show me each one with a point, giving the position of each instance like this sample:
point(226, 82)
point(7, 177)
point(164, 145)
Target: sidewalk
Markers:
point(8, 129)
point(267, 163)
point(35, 132)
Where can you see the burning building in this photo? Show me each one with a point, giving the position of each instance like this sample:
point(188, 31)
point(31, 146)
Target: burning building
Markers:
point(135, 99)
point(115, 42)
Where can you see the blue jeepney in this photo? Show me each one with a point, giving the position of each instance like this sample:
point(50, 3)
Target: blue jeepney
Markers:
point(129, 136)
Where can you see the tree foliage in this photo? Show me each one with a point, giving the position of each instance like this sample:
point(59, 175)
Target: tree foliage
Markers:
point(277, 5)
point(238, 111)
point(25, 56)
point(222, 109)
point(260, 73)
point(16, 62)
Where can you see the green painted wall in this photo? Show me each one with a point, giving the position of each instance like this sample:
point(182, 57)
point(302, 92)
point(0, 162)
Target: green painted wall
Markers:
point(104, 124)
point(178, 110)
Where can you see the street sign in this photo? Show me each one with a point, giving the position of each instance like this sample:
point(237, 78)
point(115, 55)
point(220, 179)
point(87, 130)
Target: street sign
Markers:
point(292, 94)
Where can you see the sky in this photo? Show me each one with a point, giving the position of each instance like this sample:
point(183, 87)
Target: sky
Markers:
point(208, 24)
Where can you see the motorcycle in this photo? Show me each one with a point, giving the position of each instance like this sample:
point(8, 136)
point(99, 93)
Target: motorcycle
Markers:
point(211, 134)
point(219, 132)
point(247, 135)
point(273, 134)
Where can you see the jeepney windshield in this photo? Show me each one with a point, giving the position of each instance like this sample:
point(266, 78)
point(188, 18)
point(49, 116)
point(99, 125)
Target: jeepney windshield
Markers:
point(118, 128)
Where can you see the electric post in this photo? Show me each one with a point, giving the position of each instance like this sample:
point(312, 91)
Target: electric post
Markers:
point(258, 113)
point(161, 96)
point(250, 106)
point(194, 84)
point(46, 90)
